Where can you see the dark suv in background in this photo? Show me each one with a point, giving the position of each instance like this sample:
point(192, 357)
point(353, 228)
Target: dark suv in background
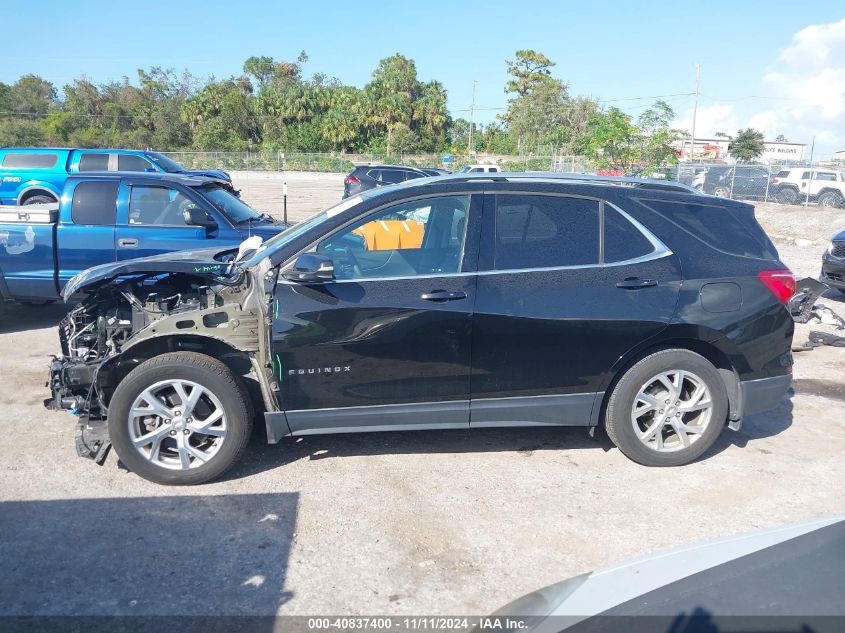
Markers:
point(366, 177)
point(449, 303)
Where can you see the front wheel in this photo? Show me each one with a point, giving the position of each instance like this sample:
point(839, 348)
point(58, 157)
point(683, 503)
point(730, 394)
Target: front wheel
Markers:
point(667, 409)
point(179, 419)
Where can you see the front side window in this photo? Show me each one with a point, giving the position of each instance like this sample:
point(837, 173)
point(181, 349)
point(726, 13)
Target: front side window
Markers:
point(94, 203)
point(805, 175)
point(94, 162)
point(422, 237)
point(157, 205)
point(130, 162)
point(545, 231)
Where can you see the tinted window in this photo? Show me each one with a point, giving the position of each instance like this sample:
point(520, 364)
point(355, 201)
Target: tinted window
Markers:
point(825, 175)
point(729, 229)
point(545, 231)
point(392, 176)
point(157, 205)
point(622, 240)
point(94, 162)
point(128, 162)
point(410, 175)
point(30, 161)
point(784, 173)
point(422, 237)
point(805, 175)
point(375, 174)
point(94, 203)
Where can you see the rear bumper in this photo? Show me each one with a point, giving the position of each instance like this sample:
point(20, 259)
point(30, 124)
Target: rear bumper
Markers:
point(763, 394)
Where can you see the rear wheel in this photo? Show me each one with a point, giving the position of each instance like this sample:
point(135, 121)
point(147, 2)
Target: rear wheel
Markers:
point(179, 418)
point(38, 200)
point(667, 409)
point(722, 192)
point(830, 200)
point(788, 195)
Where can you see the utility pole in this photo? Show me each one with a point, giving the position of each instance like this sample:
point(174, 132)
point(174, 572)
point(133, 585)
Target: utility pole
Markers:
point(471, 113)
point(694, 112)
point(810, 181)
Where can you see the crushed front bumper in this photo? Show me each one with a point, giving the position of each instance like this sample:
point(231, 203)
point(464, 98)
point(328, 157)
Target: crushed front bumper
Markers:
point(71, 386)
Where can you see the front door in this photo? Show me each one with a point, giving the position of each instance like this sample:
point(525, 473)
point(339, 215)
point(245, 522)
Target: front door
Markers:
point(155, 223)
point(386, 344)
point(566, 286)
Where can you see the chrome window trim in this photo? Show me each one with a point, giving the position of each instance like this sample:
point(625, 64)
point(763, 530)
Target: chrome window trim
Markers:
point(660, 249)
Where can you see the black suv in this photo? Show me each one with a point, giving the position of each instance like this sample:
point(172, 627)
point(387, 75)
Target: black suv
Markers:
point(366, 177)
point(449, 303)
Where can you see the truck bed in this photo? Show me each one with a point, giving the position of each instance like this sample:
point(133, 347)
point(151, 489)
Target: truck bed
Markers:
point(28, 251)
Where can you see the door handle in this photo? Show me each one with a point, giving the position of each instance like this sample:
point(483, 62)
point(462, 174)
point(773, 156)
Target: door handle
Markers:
point(125, 242)
point(443, 295)
point(635, 283)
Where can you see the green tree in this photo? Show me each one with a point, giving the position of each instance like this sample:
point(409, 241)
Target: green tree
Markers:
point(527, 70)
point(747, 145)
point(610, 139)
point(32, 95)
point(780, 138)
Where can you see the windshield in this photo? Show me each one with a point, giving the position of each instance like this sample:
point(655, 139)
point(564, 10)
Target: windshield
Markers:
point(165, 163)
point(233, 208)
point(280, 240)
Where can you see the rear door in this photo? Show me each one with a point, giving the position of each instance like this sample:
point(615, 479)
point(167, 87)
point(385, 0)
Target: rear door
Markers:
point(386, 344)
point(85, 234)
point(566, 286)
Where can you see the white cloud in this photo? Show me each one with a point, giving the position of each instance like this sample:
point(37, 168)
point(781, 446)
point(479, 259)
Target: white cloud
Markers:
point(709, 120)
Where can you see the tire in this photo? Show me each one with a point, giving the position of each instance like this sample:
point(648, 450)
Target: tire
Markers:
point(704, 425)
point(162, 459)
point(722, 192)
point(788, 195)
point(39, 200)
point(830, 200)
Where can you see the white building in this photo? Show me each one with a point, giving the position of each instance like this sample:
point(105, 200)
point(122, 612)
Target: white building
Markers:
point(717, 149)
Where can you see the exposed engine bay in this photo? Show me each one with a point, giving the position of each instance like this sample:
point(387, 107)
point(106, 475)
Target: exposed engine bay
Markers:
point(127, 320)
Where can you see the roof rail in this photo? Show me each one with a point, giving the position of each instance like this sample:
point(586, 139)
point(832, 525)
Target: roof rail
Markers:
point(642, 183)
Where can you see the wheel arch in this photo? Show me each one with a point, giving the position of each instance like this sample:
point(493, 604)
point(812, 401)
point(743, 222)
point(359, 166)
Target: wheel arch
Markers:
point(709, 351)
point(36, 190)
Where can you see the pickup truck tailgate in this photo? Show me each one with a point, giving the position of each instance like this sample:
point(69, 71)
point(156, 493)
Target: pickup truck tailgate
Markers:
point(27, 250)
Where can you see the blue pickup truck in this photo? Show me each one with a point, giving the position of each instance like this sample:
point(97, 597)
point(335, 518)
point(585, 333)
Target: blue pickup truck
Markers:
point(108, 217)
point(36, 175)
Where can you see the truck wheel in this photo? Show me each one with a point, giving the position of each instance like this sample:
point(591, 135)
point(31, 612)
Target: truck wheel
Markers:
point(830, 200)
point(788, 195)
point(38, 200)
point(179, 419)
point(667, 409)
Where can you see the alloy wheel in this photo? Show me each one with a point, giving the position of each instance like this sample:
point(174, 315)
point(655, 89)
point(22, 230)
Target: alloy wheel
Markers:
point(177, 424)
point(672, 410)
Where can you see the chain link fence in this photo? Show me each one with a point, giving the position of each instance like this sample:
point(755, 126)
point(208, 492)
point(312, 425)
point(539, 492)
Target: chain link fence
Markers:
point(787, 183)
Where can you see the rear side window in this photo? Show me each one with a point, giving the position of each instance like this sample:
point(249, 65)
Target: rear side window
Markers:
point(545, 231)
point(826, 175)
point(728, 229)
point(784, 173)
point(129, 162)
point(622, 240)
point(30, 161)
point(410, 175)
point(392, 176)
point(94, 162)
point(94, 203)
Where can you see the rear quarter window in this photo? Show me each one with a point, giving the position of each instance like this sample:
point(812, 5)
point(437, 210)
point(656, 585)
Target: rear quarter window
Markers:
point(732, 230)
point(94, 203)
point(15, 160)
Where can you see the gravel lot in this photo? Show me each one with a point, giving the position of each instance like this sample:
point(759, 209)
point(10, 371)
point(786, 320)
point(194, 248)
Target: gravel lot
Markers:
point(445, 522)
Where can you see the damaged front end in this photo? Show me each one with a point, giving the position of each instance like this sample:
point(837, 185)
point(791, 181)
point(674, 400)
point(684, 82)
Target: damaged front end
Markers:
point(135, 312)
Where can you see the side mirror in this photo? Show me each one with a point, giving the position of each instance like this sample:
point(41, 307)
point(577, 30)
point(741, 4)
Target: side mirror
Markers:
point(311, 267)
point(194, 216)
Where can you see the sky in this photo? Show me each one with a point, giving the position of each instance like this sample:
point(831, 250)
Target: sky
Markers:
point(778, 66)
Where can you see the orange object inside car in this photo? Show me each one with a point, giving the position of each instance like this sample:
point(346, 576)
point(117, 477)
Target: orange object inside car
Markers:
point(391, 235)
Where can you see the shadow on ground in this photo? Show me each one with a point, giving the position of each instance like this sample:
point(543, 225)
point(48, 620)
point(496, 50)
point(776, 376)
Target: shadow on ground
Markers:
point(16, 317)
point(180, 555)
point(260, 456)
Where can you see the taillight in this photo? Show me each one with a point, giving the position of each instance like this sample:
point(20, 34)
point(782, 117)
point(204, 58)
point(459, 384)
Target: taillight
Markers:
point(780, 283)
point(775, 181)
point(351, 180)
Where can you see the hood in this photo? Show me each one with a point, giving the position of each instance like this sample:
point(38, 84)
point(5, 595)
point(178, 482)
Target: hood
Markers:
point(213, 173)
point(263, 228)
point(203, 263)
